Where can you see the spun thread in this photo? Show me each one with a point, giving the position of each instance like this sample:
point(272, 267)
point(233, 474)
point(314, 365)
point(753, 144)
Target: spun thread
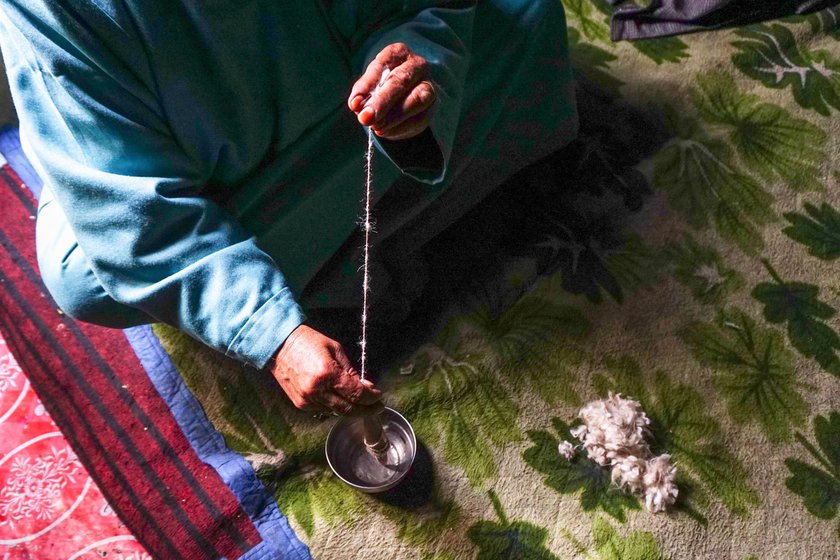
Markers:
point(367, 226)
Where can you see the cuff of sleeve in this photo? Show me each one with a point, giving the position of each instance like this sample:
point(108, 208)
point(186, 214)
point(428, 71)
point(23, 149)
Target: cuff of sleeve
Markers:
point(267, 329)
point(420, 157)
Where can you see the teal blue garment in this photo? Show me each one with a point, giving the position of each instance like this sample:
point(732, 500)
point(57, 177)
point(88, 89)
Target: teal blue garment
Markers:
point(202, 152)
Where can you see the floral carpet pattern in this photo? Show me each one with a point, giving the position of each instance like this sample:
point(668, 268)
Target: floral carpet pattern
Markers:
point(49, 505)
point(682, 251)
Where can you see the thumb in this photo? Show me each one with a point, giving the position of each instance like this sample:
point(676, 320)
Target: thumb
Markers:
point(369, 393)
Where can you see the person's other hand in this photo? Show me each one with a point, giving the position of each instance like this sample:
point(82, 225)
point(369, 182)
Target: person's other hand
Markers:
point(401, 107)
point(317, 376)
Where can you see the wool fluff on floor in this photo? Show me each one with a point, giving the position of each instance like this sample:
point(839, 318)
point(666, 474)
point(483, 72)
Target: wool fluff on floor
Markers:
point(615, 433)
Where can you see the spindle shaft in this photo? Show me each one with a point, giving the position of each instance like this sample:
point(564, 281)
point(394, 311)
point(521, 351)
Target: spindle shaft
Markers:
point(375, 439)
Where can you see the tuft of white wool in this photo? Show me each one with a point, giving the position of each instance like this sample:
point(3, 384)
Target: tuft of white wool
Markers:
point(579, 432)
point(615, 433)
point(567, 450)
point(660, 486)
point(615, 427)
point(629, 473)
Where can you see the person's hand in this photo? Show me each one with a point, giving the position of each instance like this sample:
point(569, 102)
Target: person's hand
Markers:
point(317, 376)
point(401, 107)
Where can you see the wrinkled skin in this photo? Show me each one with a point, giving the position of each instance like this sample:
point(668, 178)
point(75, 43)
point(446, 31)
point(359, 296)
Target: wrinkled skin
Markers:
point(317, 376)
point(402, 107)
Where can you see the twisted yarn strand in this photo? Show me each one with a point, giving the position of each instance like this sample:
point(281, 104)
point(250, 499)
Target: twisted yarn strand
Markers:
point(367, 225)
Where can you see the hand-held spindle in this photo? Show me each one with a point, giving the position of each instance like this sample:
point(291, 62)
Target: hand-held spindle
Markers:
point(375, 438)
point(372, 453)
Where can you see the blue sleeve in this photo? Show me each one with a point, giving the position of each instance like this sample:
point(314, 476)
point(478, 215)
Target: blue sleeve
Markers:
point(131, 195)
point(441, 32)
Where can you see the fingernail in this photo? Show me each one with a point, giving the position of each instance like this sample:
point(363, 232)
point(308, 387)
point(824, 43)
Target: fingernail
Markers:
point(367, 382)
point(356, 103)
point(367, 116)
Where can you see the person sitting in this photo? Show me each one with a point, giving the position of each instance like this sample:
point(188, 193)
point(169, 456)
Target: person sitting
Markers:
point(203, 161)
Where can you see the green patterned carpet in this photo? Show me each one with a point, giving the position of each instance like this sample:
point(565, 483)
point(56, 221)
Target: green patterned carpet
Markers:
point(683, 251)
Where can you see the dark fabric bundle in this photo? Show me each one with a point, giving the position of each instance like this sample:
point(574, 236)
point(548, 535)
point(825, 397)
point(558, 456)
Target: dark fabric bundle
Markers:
point(673, 17)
